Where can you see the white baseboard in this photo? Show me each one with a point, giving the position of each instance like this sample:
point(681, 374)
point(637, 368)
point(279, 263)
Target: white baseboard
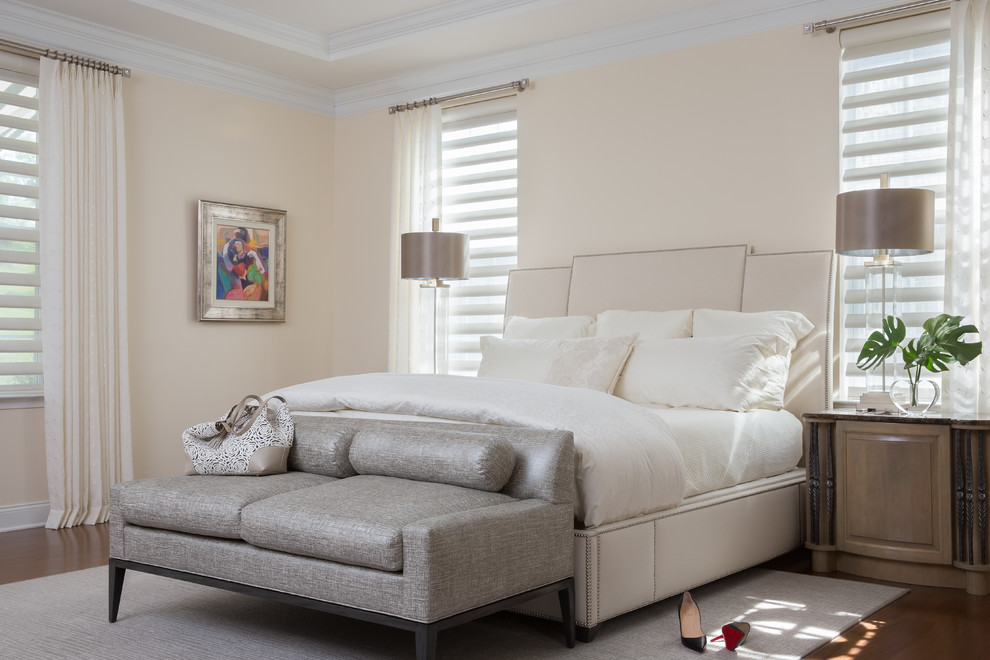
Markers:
point(23, 516)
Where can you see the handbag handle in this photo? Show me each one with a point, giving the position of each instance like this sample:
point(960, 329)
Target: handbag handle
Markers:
point(235, 413)
point(230, 425)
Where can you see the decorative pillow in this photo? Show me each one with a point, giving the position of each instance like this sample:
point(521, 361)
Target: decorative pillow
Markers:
point(557, 327)
point(593, 363)
point(788, 325)
point(321, 446)
point(791, 326)
point(718, 373)
point(648, 325)
point(482, 463)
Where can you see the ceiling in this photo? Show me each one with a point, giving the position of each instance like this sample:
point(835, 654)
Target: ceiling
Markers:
point(339, 57)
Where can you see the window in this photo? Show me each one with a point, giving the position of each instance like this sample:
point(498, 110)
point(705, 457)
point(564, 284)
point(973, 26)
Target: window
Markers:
point(20, 277)
point(478, 198)
point(894, 119)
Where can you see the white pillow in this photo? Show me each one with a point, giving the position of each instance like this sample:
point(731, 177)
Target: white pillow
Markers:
point(788, 325)
point(792, 326)
point(718, 373)
point(592, 363)
point(648, 325)
point(557, 327)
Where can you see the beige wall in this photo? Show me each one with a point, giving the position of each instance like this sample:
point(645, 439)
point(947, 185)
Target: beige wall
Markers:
point(186, 143)
point(732, 142)
point(361, 212)
point(22, 444)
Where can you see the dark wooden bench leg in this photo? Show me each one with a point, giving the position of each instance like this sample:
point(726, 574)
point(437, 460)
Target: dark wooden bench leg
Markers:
point(566, 597)
point(116, 586)
point(587, 635)
point(426, 642)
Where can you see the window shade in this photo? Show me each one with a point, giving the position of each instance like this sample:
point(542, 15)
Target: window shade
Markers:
point(894, 119)
point(479, 199)
point(20, 277)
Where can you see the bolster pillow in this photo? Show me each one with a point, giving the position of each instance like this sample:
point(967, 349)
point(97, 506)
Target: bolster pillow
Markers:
point(481, 462)
point(321, 445)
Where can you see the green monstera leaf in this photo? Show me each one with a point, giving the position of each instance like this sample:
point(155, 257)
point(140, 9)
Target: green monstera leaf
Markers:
point(941, 344)
point(882, 343)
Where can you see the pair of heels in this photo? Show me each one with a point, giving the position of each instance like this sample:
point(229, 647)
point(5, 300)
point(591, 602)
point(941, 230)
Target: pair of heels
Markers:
point(693, 637)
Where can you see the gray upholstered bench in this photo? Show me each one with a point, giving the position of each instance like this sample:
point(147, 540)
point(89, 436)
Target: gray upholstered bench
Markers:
point(416, 525)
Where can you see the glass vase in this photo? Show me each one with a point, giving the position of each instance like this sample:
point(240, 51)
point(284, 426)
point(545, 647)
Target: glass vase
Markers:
point(914, 398)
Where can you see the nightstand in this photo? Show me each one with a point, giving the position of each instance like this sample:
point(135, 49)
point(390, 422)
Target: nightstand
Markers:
point(899, 498)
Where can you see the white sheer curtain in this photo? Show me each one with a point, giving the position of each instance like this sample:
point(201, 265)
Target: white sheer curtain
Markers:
point(84, 292)
point(415, 184)
point(967, 241)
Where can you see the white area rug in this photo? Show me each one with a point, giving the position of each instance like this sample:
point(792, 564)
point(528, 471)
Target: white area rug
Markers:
point(65, 616)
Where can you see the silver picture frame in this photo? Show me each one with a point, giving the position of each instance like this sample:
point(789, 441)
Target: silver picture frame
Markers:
point(241, 263)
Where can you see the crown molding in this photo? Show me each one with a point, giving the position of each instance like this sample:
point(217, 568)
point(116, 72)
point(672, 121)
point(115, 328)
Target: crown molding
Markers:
point(236, 20)
point(25, 23)
point(721, 20)
point(345, 43)
point(432, 20)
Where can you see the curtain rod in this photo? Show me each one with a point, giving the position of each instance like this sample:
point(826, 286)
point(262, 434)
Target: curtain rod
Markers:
point(518, 85)
point(37, 51)
point(831, 24)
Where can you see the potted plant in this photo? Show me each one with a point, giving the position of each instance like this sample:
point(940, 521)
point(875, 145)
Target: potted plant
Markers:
point(940, 344)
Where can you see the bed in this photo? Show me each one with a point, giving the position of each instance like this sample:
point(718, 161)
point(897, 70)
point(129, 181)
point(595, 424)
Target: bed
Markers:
point(646, 527)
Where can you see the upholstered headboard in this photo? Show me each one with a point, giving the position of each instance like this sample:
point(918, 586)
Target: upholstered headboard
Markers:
point(722, 277)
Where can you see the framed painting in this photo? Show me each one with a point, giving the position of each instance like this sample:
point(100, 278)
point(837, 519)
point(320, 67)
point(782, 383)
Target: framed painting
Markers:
point(241, 263)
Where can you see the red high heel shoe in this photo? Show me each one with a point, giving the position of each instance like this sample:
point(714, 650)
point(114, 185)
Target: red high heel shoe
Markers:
point(689, 616)
point(734, 634)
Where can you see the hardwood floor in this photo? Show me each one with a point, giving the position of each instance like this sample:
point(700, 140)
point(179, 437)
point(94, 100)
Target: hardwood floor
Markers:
point(32, 553)
point(926, 624)
point(929, 623)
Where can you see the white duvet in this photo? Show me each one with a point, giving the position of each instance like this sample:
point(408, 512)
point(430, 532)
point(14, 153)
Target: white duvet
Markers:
point(722, 448)
point(626, 461)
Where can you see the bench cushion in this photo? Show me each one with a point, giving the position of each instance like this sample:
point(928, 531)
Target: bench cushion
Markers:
point(200, 504)
point(357, 520)
point(441, 455)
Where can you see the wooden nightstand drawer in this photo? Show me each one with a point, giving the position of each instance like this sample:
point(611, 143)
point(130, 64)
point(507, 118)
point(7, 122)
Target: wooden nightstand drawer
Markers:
point(893, 496)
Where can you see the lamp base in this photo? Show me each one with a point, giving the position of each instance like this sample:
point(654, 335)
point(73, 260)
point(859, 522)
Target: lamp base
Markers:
point(876, 402)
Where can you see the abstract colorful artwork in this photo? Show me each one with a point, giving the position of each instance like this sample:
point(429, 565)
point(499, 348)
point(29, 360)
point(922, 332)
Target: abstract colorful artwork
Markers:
point(241, 263)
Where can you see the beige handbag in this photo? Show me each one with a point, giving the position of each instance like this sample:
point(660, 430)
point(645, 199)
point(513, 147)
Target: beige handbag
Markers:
point(250, 439)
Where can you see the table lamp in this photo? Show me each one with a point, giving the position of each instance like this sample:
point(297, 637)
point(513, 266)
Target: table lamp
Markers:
point(883, 223)
point(433, 257)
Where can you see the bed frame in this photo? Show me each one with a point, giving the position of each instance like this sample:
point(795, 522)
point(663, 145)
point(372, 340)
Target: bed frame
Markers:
point(631, 563)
